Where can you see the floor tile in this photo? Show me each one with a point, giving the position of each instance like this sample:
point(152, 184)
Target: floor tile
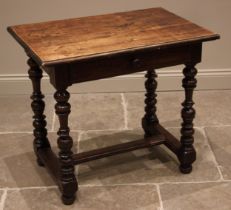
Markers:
point(142, 166)
point(96, 112)
point(17, 114)
point(209, 109)
point(201, 196)
point(220, 140)
point(212, 108)
point(1, 197)
point(92, 198)
point(18, 167)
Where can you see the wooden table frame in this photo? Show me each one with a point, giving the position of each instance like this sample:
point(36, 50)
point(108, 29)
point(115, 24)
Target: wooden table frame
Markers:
point(155, 134)
point(68, 71)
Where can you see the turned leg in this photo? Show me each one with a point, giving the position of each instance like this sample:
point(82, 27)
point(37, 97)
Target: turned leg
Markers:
point(38, 105)
point(187, 153)
point(150, 119)
point(69, 184)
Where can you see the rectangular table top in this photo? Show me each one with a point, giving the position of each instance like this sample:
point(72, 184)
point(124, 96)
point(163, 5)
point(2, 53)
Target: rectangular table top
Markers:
point(75, 39)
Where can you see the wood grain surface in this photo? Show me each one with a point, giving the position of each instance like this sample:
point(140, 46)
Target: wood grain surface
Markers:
point(74, 39)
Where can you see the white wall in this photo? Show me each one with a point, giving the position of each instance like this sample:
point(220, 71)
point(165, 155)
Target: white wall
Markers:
point(212, 14)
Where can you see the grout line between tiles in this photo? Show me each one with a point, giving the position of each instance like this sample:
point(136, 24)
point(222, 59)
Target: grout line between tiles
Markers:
point(32, 188)
point(124, 104)
point(196, 182)
point(214, 157)
point(114, 185)
point(123, 129)
point(78, 143)
point(216, 126)
point(99, 130)
point(53, 123)
point(153, 184)
point(112, 129)
point(3, 199)
point(16, 132)
point(219, 171)
point(160, 198)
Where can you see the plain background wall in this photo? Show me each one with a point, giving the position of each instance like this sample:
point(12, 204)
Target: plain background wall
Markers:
point(211, 14)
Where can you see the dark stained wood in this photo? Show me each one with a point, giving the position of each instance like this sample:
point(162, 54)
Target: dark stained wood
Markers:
point(187, 153)
point(118, 149)
point(150, 119)
point(84, 49)
point(65, 143)
point(170, 141)
point(75, 39)
point(38, 106)
point(115, 65)
point(60, 76)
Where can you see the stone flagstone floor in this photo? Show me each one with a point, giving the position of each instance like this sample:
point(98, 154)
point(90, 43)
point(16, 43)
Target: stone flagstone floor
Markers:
point(142, 179)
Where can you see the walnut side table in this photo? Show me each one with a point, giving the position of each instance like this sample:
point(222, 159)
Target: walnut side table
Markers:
point(90, 48)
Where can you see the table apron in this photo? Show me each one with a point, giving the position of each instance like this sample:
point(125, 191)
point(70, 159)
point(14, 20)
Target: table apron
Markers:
point(66, 74)
point(122, 64)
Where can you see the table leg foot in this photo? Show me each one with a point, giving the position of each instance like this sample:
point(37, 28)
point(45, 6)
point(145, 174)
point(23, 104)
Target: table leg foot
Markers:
point(68, 200)
point(40, 163)
point(185, 169)
point(69, 193)
point(186, 159)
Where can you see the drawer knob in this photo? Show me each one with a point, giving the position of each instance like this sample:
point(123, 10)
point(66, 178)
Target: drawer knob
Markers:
point(136, 63)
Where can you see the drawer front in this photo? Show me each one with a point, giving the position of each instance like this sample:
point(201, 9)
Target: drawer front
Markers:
point(127, 63)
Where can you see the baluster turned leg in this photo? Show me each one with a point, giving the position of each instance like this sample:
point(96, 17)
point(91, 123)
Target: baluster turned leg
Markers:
point(69, 184)
point(187, 153)
point(150, 119)
point(38, 105)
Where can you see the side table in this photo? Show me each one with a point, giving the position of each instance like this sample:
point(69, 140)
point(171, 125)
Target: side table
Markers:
point(90, 48)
